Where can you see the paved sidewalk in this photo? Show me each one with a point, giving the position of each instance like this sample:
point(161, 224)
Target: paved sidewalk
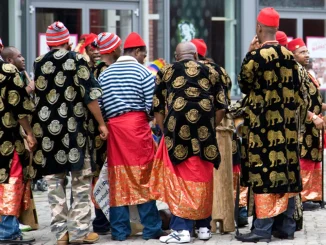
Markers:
point(314, 231)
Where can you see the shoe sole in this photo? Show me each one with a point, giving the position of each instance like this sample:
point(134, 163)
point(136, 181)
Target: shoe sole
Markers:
point(8, 242)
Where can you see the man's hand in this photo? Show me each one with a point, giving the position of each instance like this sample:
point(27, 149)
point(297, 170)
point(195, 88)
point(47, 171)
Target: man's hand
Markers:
point(319, 123)
point(254, 44)
point(104, 132)
point(31, 141)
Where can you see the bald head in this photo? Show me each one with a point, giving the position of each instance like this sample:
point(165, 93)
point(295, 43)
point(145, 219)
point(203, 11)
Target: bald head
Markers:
point(13, 56)
point(186, 50)
point(265, 33)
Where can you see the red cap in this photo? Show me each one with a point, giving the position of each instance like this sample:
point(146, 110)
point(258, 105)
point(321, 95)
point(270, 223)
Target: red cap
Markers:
point(269, 17)
point(282, 38)
point(200, 45)
point(134, 40)
point(295, 44)
point(57, 34)
point(89, 38)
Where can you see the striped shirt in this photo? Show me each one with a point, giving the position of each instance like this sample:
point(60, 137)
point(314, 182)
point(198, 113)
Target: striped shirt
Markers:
point(127, 86)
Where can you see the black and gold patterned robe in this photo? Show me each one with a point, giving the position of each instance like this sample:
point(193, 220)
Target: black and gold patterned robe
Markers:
point(14, 104)
point(63, 125)
point(270, 161)
point(193, 94)
point(310, 139)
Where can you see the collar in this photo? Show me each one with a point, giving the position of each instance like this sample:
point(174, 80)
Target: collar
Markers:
point(125, 58)
point(314, 80)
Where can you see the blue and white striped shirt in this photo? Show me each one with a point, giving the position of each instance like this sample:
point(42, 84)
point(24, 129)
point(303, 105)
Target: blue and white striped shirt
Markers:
point(127, 86)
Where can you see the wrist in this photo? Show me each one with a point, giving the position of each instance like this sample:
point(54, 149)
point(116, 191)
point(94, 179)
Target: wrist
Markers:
point(314, 117)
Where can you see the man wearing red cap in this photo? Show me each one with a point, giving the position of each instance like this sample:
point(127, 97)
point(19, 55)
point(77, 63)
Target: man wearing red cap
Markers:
point(270, 166)
point(127, 100)
point(223, 209)
point(282, 38)
point(107, 45)
point(66, 95)
point(311, 149)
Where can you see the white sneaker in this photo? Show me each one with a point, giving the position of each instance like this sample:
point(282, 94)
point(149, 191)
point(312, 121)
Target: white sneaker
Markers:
point(25, 227)
point(204, 233)
point(176, 237)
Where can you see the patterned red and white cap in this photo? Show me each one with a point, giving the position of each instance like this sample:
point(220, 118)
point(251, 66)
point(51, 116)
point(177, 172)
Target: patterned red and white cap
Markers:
point(108, 42)
point(57, 34)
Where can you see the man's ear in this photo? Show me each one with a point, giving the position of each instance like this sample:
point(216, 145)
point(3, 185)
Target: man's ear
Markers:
point(196, 56)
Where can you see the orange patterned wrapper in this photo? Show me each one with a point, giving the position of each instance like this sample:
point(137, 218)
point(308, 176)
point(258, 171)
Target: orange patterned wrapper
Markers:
point(11, 196)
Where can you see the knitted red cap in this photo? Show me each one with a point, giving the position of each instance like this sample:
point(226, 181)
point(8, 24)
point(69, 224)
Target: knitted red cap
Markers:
point(295, 44)
point(108, 42)
point(282, 38)
point(269, 17)
point(134, 40)
point(57, 34)
point(200, 45)
point(89, 38)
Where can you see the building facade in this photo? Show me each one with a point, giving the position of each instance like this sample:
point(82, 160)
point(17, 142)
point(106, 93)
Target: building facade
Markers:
point(227, 26)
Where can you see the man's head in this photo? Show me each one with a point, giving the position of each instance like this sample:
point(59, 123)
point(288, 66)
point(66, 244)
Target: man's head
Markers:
point(185, 50)
point(109, 44)
point(91, 47)
point(201, 48)
point(300, 51)
point(282, 38)
point(57, 35)
point(13, 56)
point(135, 47)
point(268, 21)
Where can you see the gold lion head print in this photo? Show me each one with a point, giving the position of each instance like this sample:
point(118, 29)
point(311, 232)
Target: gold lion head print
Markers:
point(210, 152)
point(192, 92)
point(60, 54)
point(61, 157)
point(48, 68)
point(38, 59)
point(44, 113)
point(41, 83)
point(74, 155)
point(70, 93)
point(29, 172)
point(180, 152)
point(37, 130)
point(98, 142)
point(221, 97)
point(91, 126)
point(205, 104)
point(9, 68)
point(95, 93)
point(39, 158)
point(3, 175)
point(19, 147)
point(28, 105)
point(168, 142)
point(72, 124)
point(192, 68)
point(65, 140)
point(47, 144)
point(13, 97)
point(63, 110)
point(171, 123)
point(81, 140)
point(83, 73)
point(204, 84)
point(193, 116)
point(18, 81)
point(203, 133)
point(69, 65)
point(60, 79)
point(170, 98)
point(52, 97)
point(79, 109)
point(179, 104)
point(179, 82)
point(184, 132)
point(167, 74)
point(55, 127)
point(195, 146)
point(156, 101)
point(7, 148)
point(82, 90)
point(8, 120)
point(76, 80)
point(1, 134)
point(2, 78)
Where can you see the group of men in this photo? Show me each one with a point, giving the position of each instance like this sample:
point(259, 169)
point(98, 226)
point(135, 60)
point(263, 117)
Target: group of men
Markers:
point(86, 107)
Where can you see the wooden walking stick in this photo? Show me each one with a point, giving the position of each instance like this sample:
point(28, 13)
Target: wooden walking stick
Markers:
point(322, 204)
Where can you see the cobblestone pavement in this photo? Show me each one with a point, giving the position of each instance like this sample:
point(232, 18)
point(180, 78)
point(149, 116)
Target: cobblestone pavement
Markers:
point(313, 233)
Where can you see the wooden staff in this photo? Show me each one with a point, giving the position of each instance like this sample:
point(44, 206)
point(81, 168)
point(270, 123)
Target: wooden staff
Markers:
point(322, 204)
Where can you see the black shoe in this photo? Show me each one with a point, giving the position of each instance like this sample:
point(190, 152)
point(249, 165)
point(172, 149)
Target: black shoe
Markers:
point(280, 235)
point(162, 233)
point(242, 221)
point(309, 206)
point(22, 239)
point(252, 237)
point(102, 233)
